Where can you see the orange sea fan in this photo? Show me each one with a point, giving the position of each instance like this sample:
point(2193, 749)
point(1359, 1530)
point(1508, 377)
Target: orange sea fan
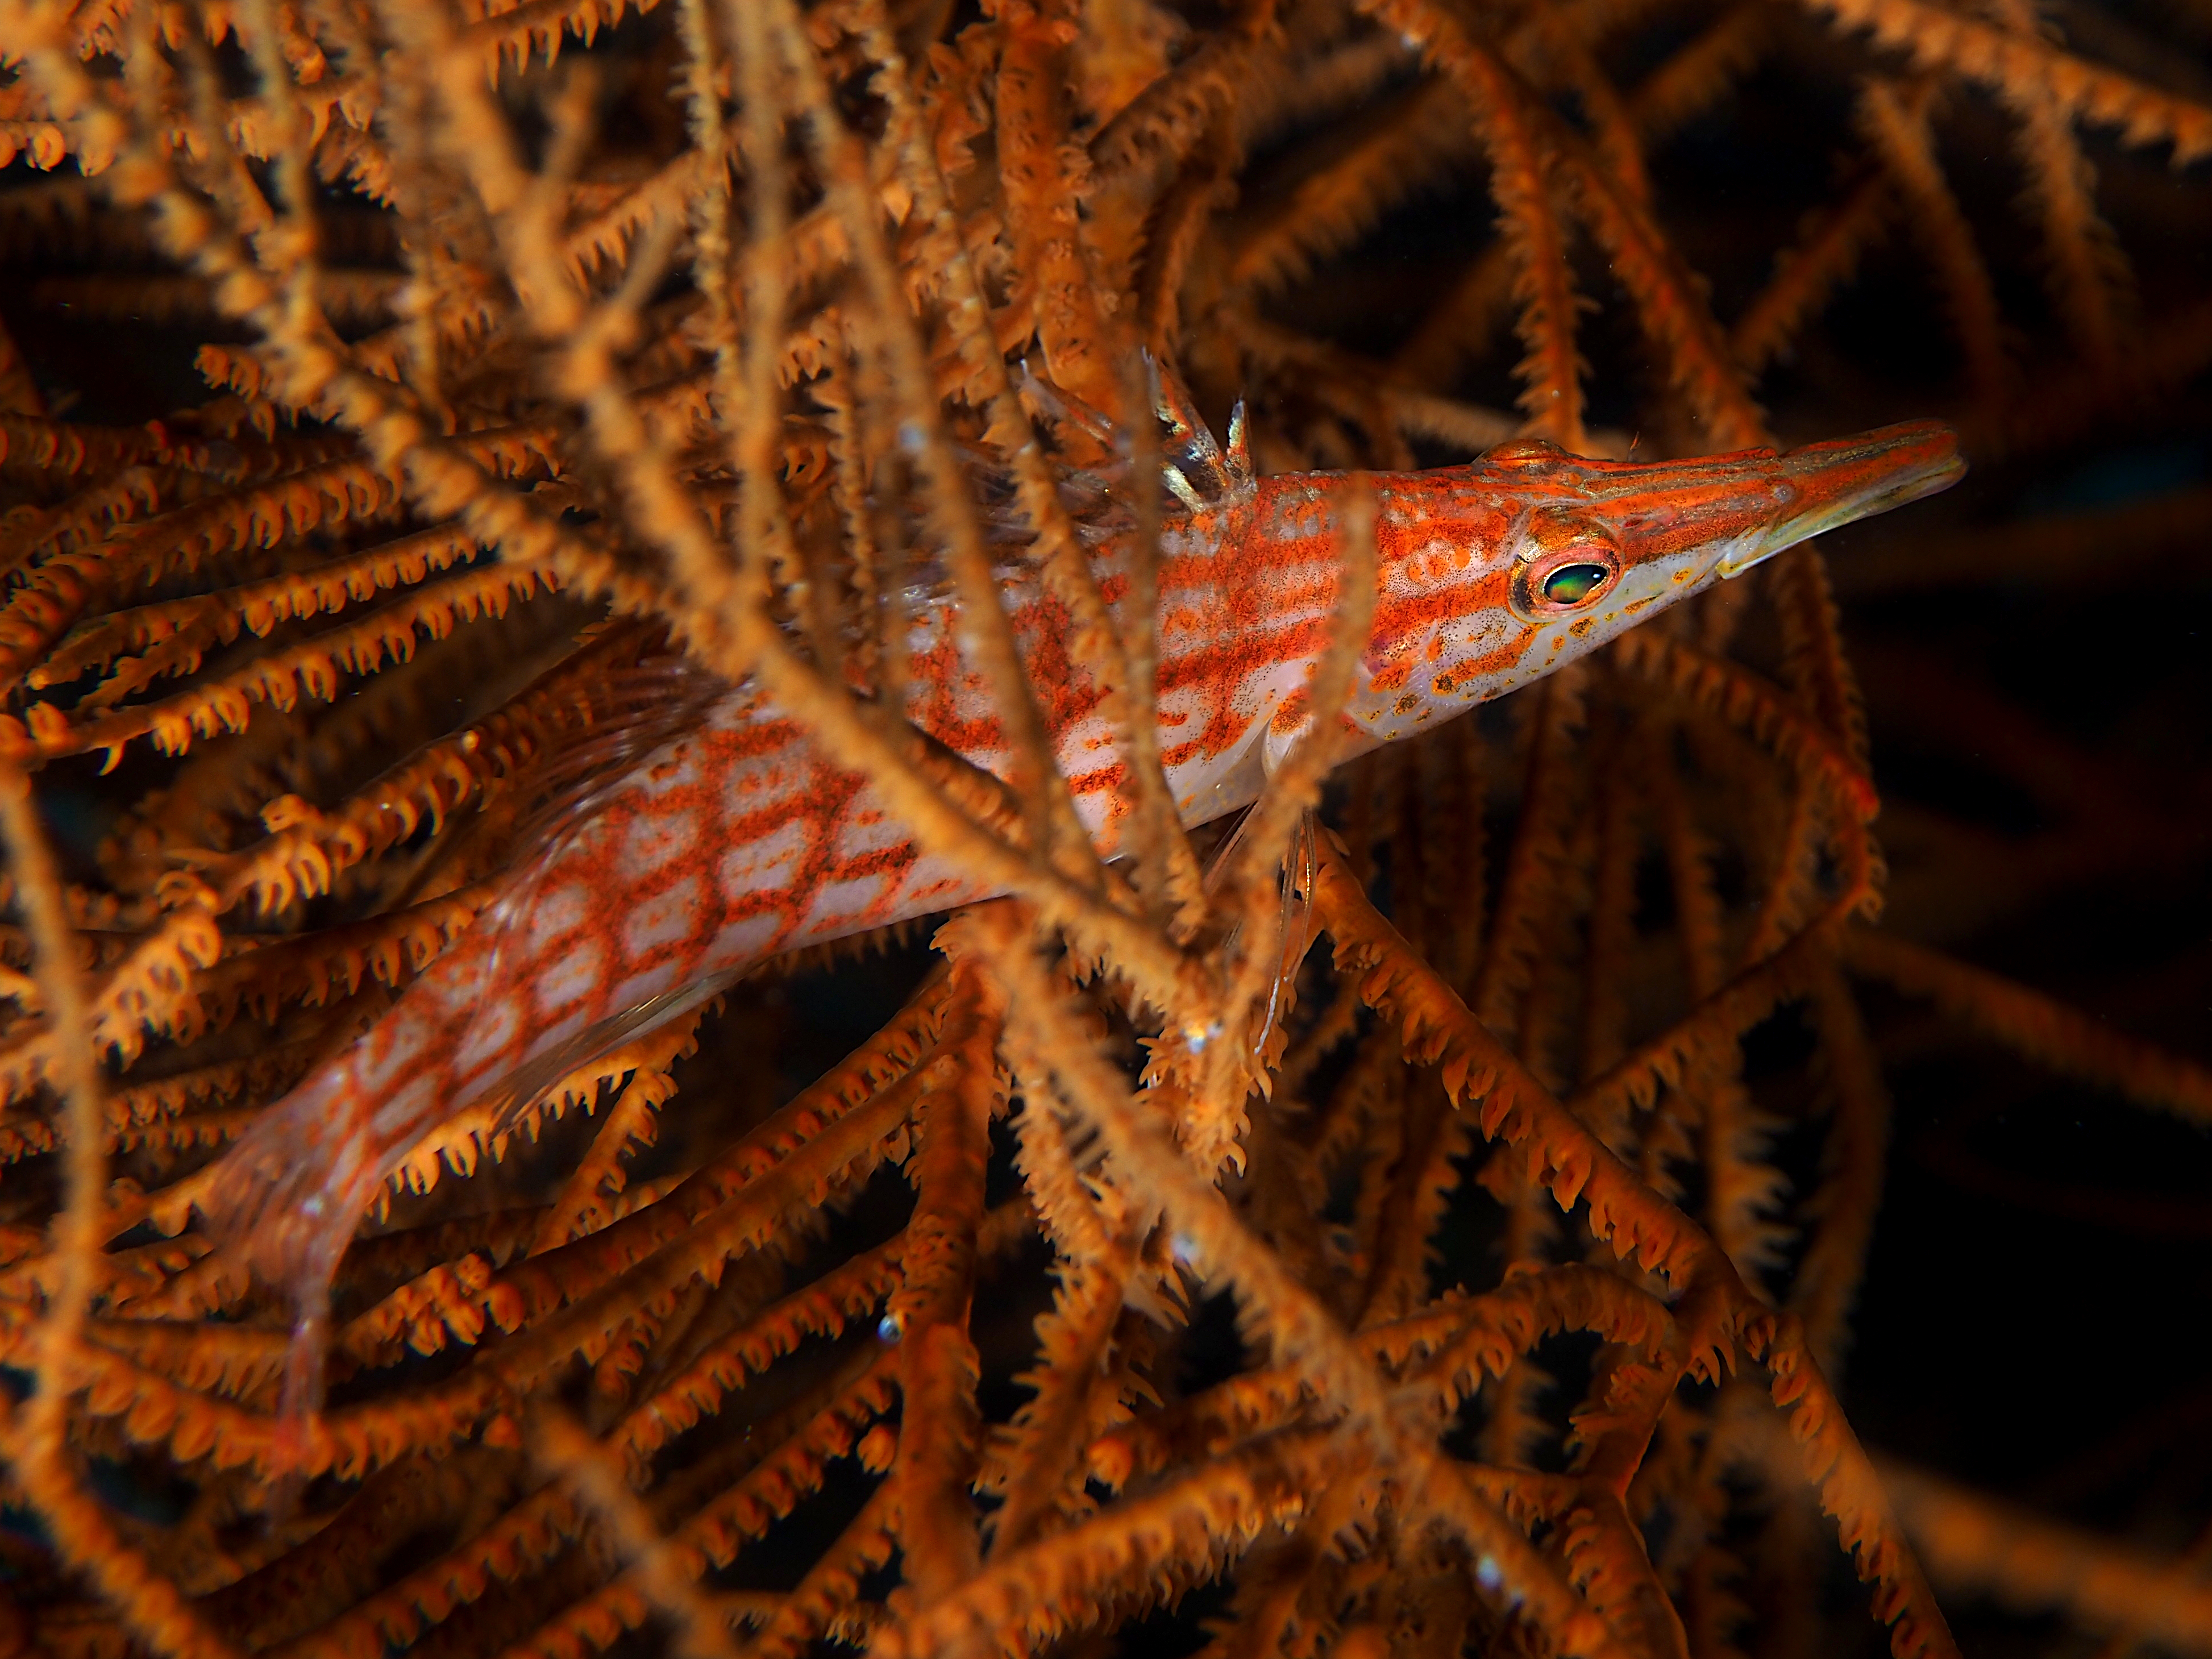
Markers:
point(406, 409)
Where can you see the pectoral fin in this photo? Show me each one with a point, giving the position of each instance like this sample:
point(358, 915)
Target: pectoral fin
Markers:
point(1284, 733)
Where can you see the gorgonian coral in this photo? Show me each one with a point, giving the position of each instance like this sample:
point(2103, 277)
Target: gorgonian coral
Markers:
point(1475, 1280)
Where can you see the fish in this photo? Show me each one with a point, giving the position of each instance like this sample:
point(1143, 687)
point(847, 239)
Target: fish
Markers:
point(741, 838)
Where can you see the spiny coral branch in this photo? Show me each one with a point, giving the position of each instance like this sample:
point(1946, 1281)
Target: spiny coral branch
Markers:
point(2025, 67)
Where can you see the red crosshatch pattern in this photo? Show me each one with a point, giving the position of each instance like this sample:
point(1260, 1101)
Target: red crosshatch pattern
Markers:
point(741, 839)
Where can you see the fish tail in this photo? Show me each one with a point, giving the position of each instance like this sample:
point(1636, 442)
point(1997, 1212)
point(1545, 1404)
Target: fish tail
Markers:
point(285, 1207)
point(283, 1194)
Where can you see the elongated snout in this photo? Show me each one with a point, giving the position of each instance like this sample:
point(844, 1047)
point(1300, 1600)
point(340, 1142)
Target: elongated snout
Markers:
point(1846, 479)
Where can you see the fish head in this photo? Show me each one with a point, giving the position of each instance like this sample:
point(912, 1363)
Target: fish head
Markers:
point(1501, 572)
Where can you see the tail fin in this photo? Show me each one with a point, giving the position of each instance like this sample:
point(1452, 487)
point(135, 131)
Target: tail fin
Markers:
point(287, 1200)
point(285, 1204)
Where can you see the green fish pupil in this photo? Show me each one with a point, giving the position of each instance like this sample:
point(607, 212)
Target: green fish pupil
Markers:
point(1570, 583)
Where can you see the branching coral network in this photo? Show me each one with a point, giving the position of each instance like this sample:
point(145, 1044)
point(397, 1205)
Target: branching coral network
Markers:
point(1435, 1231)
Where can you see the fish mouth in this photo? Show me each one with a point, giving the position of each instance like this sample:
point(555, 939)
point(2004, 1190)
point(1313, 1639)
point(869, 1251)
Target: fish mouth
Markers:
point(1846, 479)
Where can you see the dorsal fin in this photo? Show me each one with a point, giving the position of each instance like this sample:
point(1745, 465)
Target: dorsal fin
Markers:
point(1056, 403)
point(1196, 474)
point(1190, 459)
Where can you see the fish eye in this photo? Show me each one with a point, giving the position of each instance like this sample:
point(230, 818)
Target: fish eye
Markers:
point(1572, 584)
point(1573, 574)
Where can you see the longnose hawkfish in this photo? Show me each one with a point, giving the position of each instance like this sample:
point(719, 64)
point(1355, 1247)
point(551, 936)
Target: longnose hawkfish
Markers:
point(742, 838)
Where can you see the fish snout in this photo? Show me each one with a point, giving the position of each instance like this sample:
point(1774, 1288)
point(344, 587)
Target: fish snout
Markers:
point(1843, 480)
